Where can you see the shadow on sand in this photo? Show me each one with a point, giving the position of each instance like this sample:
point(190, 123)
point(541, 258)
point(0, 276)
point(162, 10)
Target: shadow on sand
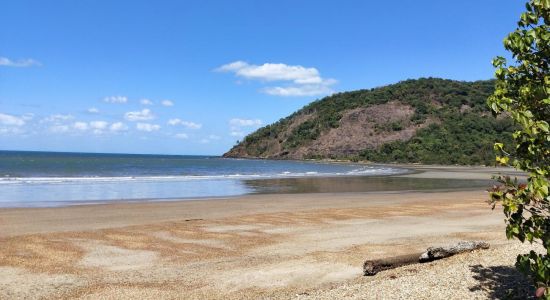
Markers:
point(502, 282)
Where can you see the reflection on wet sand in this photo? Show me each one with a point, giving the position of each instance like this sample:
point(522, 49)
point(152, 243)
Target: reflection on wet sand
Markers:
point(357, 184)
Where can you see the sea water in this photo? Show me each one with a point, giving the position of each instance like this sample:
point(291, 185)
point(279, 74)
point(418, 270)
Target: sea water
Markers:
point(54, 178)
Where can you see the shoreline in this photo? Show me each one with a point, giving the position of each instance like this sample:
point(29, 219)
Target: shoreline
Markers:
point(413, 178)
point(276, 246)
point(31, 220)
point(220, 198)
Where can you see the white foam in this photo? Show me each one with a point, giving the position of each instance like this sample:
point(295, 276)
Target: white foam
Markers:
point(361, 171)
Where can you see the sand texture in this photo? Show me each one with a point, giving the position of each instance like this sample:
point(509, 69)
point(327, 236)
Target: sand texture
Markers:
point(304, 246)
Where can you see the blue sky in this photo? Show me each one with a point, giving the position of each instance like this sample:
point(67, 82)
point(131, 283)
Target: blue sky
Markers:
point(193, 77)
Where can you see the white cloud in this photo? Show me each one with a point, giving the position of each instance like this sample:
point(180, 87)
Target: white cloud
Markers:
point(59, 128)
point(143, 115)
point(11, 120)
point(118, 126)
point(11, 130)
point(82, 126)
point(146, 102)
point(233, 67)
point(237, 126)
point(99, 125)
point(22, 63)
point(182, 136)
point(302, 81)
point(237, 133)
point(115, 99)
point(27, 116)
point(273, 72)
point(147, 127)
point(186, 124)
point(174, 122)
point(167, 103)
point(57, 118)
point(236, 122)
point(209, 138)
point(191, 125)
point(301, 90)
point(93, 110)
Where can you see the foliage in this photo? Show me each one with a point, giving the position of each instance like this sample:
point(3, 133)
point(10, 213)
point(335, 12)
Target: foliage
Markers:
point(523, 92)
point(462, 130)
point(464, 139)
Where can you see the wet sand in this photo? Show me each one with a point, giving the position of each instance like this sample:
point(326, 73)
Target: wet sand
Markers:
point(257, 246)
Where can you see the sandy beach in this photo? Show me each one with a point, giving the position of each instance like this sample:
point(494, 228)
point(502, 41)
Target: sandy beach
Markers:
point(269, 150)
point(280, 246)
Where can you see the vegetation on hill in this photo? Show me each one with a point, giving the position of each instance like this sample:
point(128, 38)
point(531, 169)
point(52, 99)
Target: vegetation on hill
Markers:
point(426, 120)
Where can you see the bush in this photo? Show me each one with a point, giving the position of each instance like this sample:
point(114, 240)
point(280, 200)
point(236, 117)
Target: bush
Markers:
point(523, 92)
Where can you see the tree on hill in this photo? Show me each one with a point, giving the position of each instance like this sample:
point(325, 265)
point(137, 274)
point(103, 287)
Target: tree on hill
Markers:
point(523, 92)
point(448, 122)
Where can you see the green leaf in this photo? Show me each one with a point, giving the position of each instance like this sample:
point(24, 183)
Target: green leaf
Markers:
point(522, 91)
point(542, 125)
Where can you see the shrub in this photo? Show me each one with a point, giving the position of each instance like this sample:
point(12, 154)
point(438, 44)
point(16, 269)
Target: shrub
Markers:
point(523, 92)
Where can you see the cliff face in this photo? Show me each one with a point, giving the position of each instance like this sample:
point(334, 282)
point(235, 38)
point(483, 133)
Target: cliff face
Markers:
point(425, 120)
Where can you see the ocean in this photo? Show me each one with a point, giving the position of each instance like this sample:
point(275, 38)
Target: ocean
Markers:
point(42, 179)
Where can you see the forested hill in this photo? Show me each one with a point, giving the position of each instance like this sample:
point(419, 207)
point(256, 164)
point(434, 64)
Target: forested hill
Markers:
point(428, 120)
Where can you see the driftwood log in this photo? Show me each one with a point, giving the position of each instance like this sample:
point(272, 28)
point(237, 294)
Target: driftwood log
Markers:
point(371, 267)
point(435, 253)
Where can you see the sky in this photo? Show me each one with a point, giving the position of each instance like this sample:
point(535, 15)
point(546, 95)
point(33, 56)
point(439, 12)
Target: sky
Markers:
point(194, 77)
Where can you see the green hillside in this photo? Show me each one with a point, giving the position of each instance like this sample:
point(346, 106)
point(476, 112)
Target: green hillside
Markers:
point(428, 120)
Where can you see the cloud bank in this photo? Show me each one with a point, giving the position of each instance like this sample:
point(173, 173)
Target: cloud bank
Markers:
point(11, 120)
point(147, 127)
point(22, 63)
point(300, 81)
